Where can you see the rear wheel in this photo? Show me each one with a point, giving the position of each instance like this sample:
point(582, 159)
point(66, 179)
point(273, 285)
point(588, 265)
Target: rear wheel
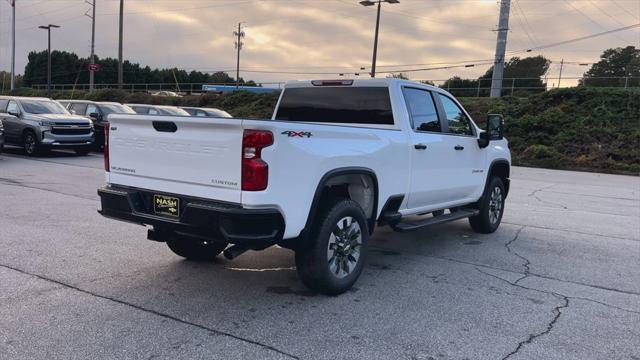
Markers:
point(332, 257)
point(196, 250)
point(491, 208)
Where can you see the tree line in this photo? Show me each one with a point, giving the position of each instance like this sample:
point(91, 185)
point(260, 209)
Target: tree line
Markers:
point(617, 67)
point(69, 68)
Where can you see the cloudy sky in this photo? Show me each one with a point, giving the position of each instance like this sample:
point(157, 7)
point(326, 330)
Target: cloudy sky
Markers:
point(287, 38)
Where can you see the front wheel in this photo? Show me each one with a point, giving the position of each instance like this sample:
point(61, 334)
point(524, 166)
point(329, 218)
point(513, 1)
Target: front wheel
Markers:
point(491, 208)
point(196, 250)
point(30, 144)
point(332, 257)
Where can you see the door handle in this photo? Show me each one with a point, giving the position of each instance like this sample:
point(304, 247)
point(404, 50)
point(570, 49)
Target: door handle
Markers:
point(420, 146)
point(459, 147)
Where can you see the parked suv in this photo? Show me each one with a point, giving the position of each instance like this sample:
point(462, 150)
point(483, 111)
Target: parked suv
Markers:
point(145, 109)
point(206, 112)
point(97, 112)
point(40, 124)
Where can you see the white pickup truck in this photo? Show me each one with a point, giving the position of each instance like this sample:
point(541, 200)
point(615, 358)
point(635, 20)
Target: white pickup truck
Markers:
point(337, 158)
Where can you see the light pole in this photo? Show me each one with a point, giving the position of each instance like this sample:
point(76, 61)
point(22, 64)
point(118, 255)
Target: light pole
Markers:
point(48, 28)
point(375, 41)
point(13, 45)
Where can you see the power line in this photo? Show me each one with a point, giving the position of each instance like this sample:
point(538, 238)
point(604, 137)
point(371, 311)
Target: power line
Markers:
point(589, 17)
point(577, 39)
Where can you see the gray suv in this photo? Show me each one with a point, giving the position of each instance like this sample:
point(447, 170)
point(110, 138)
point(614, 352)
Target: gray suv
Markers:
point(40, 124)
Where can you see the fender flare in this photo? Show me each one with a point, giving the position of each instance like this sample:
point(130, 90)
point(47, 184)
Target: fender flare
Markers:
point(493, 164)
point(355, 170)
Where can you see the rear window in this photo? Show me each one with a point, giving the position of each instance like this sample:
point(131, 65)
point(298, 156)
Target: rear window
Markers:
point(351, 105)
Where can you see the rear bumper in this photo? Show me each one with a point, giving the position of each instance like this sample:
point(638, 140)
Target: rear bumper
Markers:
point(198, 217)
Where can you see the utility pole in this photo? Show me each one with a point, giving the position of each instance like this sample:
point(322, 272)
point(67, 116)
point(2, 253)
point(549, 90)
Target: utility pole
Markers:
point(120, 75)
point(48, 28)
point(93, 39)
point(501, 46)
point(239, 35)
point(560, 75)
point(13, 45)
point(375, 40)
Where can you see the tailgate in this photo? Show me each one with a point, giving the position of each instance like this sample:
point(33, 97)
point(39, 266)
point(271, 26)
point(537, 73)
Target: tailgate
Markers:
point(192, 156)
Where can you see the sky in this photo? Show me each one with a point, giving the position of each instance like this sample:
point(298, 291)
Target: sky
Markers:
point(311, 39)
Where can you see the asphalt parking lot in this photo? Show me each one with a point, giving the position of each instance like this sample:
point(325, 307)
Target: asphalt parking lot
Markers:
point(559, 280)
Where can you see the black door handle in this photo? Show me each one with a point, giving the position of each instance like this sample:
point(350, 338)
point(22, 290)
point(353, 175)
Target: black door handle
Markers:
point(420, 146)
point(459, 147)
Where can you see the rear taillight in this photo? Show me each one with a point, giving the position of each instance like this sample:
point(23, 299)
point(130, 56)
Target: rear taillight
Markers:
point(106, 147)
point(255, 172)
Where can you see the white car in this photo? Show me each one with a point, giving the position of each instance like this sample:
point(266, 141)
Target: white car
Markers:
point(337, 158)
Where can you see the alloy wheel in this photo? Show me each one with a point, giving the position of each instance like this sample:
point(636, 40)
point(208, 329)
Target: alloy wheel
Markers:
point(343, 251)
point(495, 205)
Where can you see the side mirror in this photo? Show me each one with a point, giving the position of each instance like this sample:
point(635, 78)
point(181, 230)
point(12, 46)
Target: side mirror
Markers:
point(14, 113)
point(494, 131)
point(96, 116)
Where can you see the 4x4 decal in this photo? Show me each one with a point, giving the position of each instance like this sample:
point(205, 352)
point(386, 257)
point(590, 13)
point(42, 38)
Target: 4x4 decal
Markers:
point(291, 133)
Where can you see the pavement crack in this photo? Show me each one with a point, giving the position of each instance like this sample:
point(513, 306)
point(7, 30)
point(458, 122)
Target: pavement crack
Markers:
point(527, 263)
point(154, 312)
point(534, 194)
point(550, 326)
point(571, 231)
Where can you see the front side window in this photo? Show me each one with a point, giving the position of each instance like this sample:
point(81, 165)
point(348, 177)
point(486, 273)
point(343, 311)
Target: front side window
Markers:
point(338, 105)
point(13, 107)
point(422, 110)
point(152, 111)
point(458, 121)
point(3, 105)
point(200, 113)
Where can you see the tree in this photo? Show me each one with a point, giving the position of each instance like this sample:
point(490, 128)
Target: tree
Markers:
point(461, 87)
point(68, 68)
point(397, 76)
point(524, 74)
point(617, 62)
point(5, 78)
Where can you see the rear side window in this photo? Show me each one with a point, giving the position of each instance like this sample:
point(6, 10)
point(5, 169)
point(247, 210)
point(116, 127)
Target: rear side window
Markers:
point(350, 105)
point(3, 105)
point(422, 109)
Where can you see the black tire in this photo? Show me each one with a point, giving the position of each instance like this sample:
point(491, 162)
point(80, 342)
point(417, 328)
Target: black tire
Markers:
point(82, 152)
point(195, 250)
point(491, 208)
point(30, 143)
point(328, 263)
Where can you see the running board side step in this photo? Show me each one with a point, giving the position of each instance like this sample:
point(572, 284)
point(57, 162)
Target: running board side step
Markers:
point(419, 224)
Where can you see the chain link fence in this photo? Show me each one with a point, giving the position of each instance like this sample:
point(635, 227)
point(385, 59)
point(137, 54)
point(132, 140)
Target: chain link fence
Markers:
point(458, 87)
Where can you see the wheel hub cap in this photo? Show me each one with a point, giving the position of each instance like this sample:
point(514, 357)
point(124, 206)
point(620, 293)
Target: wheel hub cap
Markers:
point(343, 252)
